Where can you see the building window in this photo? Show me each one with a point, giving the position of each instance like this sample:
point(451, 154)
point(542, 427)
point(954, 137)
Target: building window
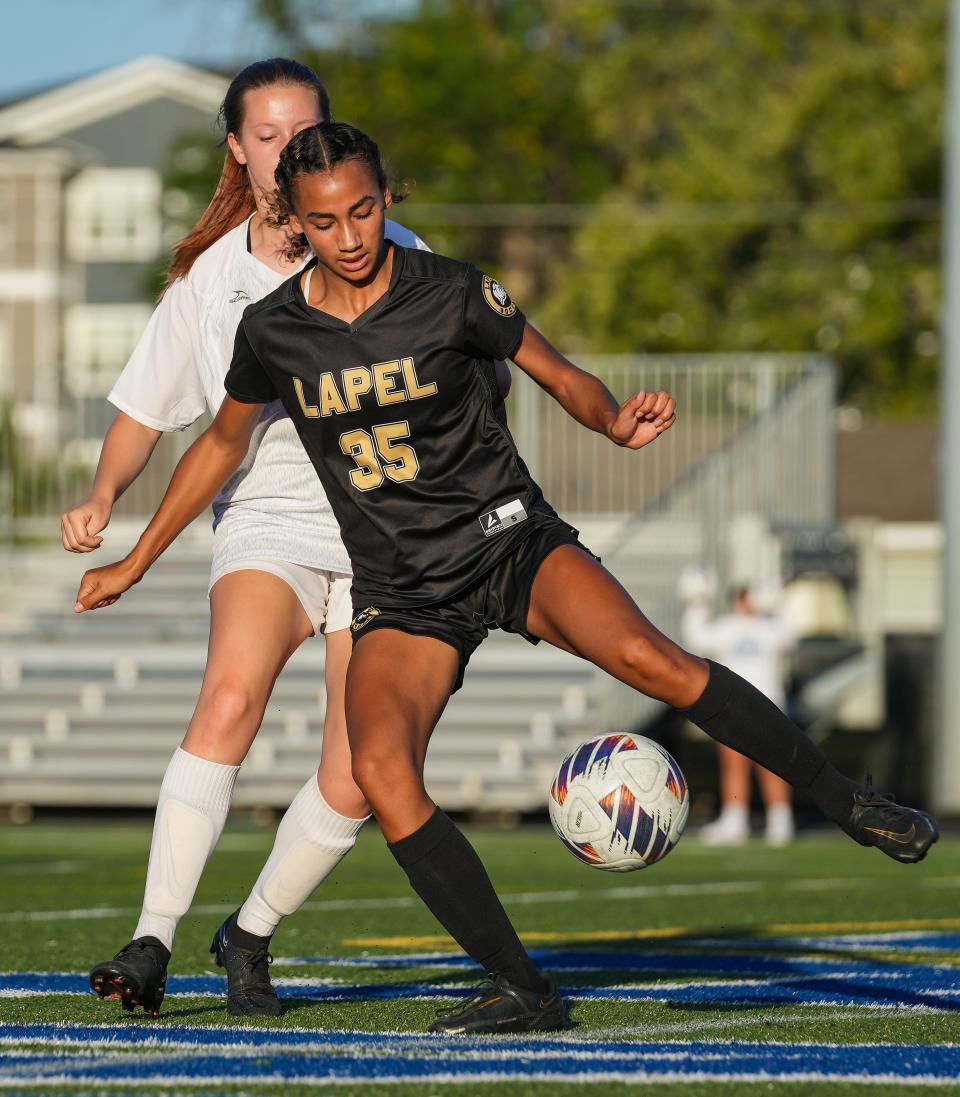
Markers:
point(113, 214)
point(98, 340)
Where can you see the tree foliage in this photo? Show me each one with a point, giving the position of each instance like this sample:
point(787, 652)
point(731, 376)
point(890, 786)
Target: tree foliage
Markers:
point(726, 174)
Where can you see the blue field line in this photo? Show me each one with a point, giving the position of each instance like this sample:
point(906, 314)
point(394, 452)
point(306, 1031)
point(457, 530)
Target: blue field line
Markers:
point(944, 976)
point(727, 963)
point(931, 986)
point(908, 942)
point(261, 1055)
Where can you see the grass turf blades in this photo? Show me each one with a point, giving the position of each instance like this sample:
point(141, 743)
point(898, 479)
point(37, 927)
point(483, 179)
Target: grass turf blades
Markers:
point(820, 968)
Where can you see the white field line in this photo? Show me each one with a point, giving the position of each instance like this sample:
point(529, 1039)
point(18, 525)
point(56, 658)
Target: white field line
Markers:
point(187, 1083)
point(425, 990)
point(772, 1017)
point(314, 1037)
point(45, 868)
point(569, 895)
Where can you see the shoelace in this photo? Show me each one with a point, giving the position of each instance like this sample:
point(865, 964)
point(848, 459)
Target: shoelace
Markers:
point(255, 959)
point(870, 798)
point(477, 994)
point(136, 945)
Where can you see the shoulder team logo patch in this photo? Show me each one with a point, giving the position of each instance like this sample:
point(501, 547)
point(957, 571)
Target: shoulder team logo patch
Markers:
point(364, 617)
point(497, 297)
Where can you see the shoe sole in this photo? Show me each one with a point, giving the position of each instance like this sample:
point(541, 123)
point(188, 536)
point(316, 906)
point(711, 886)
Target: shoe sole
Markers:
point(115, 985)
point(236, 1010)
point(531, 1022)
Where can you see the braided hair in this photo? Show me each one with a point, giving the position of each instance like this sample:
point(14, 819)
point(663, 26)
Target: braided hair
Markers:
point(317, 150)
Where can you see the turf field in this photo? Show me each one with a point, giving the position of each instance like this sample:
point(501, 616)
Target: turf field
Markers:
point(820, 969)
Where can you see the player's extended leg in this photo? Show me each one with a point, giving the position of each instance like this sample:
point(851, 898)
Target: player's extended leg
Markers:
point(616, 636)
point(256, 623)
point(397, 687)
point(317, 831)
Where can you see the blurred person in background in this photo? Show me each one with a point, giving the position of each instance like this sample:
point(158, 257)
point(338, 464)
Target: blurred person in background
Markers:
point(753, 643)
point(279, 575)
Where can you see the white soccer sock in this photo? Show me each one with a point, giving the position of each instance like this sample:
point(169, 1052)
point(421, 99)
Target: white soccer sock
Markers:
point(311, 841)
point(736, 813)
point(191, 810)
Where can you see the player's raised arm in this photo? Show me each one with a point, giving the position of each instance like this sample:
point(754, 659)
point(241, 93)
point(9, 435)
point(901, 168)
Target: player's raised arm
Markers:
point(199, 475)
point(641, 419)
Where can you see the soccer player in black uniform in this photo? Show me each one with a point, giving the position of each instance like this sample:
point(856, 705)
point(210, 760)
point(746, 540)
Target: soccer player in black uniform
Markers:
point(383, 358)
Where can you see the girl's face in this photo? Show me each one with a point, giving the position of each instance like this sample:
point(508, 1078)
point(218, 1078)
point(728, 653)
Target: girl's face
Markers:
point(341, 213)
point(271, 116)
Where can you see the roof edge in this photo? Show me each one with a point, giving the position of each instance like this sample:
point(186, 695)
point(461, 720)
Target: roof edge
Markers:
point(48, 115)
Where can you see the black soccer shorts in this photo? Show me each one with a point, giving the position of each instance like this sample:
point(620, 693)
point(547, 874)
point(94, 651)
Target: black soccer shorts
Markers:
point(500, 599)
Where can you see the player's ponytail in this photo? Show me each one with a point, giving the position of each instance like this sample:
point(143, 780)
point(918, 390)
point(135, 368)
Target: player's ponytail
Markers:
point(316, 151)
point(233, 200)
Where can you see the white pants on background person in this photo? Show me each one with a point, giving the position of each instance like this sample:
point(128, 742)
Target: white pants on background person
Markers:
point(752, 644)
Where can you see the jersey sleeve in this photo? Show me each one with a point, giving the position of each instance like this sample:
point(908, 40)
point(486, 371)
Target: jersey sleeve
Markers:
point(160, 384)
point(492, 323)
point(247, 380)
point(403, 236)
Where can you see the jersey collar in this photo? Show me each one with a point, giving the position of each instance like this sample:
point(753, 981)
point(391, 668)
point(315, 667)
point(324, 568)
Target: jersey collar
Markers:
point(324, 318)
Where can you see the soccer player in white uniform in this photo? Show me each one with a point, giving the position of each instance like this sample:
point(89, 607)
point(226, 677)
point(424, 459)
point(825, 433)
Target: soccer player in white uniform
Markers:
point(752, 644)
point(280, 572)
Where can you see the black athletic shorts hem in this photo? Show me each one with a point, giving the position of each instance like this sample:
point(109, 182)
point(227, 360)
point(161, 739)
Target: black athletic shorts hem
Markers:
point(499, 599)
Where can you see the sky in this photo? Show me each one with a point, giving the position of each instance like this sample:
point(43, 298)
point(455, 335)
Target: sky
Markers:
point(47, 42)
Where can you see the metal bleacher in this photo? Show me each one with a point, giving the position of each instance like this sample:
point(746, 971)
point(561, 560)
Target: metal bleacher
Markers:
point(92, 705)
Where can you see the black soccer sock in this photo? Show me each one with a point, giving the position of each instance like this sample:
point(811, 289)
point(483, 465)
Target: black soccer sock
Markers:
point(445, 871)
point(738, 715)
point(243, 938)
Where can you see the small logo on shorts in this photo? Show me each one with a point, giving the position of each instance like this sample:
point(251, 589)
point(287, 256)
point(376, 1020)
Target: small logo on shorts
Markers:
point(364, 617)
point(497, 297)
point(496, 521)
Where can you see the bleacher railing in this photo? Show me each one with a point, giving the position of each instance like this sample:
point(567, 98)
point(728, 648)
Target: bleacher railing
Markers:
point(37, 484)
point(756, 428)
point(782, 402)
point(754, 437)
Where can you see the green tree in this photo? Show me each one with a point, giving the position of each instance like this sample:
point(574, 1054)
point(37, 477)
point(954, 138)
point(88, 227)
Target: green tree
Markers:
point(786, 162)
point(738, 175)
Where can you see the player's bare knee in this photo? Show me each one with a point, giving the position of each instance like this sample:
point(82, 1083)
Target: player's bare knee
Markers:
point(379, 773)
point(228, 706)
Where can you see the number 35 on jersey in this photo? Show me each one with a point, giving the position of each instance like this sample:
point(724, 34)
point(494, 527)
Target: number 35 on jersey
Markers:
point(379, 453)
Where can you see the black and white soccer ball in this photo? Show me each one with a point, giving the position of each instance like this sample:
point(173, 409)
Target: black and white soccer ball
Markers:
point(619, 802)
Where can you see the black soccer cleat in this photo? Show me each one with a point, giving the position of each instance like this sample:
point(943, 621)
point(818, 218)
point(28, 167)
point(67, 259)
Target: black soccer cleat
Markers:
point(136, 976)
point(904, 834)
point(246, 961)
point(500, 1006)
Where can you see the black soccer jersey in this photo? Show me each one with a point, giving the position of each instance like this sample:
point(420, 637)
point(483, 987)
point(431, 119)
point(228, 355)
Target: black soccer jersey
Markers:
point(398, 414)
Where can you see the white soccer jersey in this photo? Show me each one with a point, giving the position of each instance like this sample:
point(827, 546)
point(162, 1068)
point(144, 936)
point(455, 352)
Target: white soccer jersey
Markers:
point(750, 644)
point(273, 507)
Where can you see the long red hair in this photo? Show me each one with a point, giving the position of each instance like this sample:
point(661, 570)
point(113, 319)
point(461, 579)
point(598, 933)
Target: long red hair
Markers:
point(233, 200)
